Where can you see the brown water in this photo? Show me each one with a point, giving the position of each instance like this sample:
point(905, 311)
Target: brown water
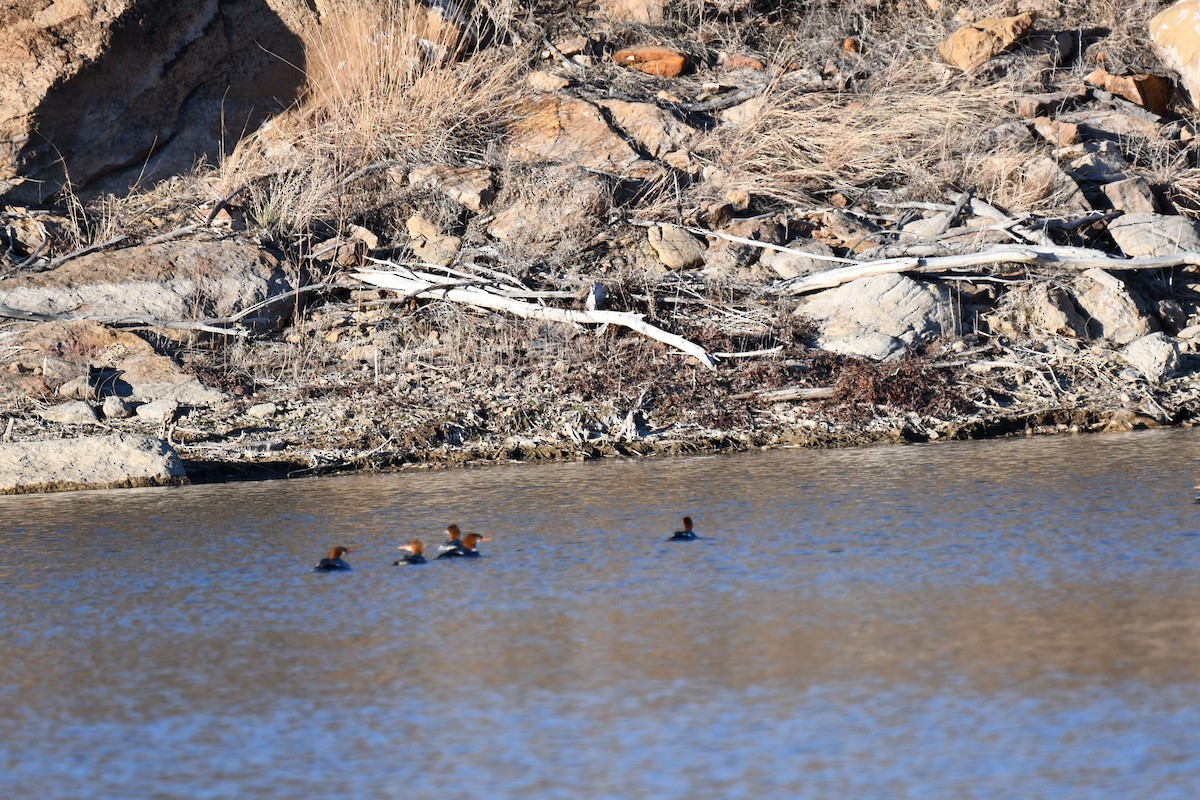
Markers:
point(1010, 619)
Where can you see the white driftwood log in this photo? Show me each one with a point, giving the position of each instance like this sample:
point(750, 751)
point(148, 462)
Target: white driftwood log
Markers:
point(1078, 258)
point(416, 284)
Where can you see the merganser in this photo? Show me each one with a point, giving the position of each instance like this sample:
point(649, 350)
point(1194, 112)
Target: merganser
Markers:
point(333, 562)
point(685, 535)
point(467, 547)
point(416, 549)
point(453, 544)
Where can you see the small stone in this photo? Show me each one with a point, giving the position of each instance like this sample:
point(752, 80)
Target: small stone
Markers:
point(1131, 195)
point(164, 410)
point(1155, 356)
point(262, 410)
point(77, 389)
point(732, 61)
point(1152, 92)
point(116, 408)
point(676, 248)
point(542, 81)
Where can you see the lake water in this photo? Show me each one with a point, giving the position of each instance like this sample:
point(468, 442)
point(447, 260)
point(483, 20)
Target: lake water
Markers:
point(1006, 619)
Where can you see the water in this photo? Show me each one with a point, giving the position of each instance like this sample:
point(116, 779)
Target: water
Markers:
point(1009, 619)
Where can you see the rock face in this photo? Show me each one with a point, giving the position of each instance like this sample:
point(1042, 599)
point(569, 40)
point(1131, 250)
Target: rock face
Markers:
point(879, 317)
point(1176, 34)
point(99, 462)
point(141, 88)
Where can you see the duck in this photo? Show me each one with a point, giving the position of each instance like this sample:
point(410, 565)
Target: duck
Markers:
point(333, 562)
point(685, 535)
point(415, 554)
point(453, 544)
point(467, 547)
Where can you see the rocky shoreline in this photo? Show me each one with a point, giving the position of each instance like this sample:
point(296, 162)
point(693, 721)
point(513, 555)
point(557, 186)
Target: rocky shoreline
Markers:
point(670, 235)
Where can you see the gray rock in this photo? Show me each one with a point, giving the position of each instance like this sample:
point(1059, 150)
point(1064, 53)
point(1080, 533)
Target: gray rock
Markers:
point(676, 248)
point(794, 265)
point(262, 410)
point(116, 408)
point(77, 389)
point(77, 412)
point(1154, 234)
point(877, 318)
point(158, 410)
point(94, 462)
point(1132, 195)
point(1113, 310)
point(1156, 356)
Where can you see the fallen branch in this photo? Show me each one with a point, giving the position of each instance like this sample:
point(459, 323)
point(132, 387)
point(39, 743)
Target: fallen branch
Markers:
point(790, 393)
point(415, 284)
point(1075, 258)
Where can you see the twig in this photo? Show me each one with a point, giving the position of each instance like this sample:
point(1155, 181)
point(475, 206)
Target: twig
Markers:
point(85, 251)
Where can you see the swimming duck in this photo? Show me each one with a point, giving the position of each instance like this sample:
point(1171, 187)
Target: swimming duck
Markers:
point(333, 562)
point(685, 535)
point(415, 554)
point(466, 547)
point(453, 544)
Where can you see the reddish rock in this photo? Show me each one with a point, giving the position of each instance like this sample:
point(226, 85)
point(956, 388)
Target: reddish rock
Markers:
point(1176, 34)
point(653, 60)
point(1152, 92)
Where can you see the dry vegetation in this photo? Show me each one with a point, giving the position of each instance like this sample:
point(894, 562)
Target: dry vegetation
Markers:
point(875, 122)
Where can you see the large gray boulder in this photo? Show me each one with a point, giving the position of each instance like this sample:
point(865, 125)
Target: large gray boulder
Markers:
point(1114, 311)
point(93, 462)
point(879, 317)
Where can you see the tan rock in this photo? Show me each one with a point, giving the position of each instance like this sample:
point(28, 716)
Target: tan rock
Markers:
point(795, 265)
point(570, 131)
point(653, 60)
point(1176, 35)
point(644, 11)
point(1057, 134)
point(429, 243)
point(1131, 195)
point(728, 257)
point(676, 248)
point(474, 187)
point(973, 44)
point(656, 131)
point(555, 204)
point(1152, 92)
point(542, 81)
point(732, 61)
point(1113, 311)
point(93, 462)
point(1143, 234)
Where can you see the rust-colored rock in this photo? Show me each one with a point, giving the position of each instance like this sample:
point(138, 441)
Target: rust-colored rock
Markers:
point(653, 60)
point(972, 45)
point(644, 11)
point(733, 61)
point(1152, 92)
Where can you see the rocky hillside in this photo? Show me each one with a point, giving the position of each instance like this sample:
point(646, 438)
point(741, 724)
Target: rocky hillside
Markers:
point(292, 238)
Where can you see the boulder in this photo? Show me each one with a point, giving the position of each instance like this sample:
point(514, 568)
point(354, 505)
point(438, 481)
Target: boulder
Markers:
point(1156, 356)
point(676, 248)
point(879, 317)
point(1176, 34)
point(76, 412)
point(94, 462)
point(655, 131)
point(1113, 311)
point(973, 44)
point(1148, 234)
point(1131, 195)
point(114, 363)
point(180, 281)
point(653, 60)
point(1152, 92)
point(567, 130)
point(133, 89)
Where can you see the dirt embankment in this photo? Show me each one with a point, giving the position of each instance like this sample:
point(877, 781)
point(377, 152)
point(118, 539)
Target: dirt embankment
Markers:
point(630, 228)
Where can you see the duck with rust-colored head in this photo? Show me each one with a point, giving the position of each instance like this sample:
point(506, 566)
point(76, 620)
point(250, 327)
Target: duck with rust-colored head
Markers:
point(333, 562)
point(414, 554)
point(468, 546)
point(453, 543)
point(685, 535)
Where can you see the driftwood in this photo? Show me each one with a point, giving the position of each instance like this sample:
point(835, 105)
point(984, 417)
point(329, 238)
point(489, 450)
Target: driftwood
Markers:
point(1076, 258)
point(790, 393)
point(415, 284)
